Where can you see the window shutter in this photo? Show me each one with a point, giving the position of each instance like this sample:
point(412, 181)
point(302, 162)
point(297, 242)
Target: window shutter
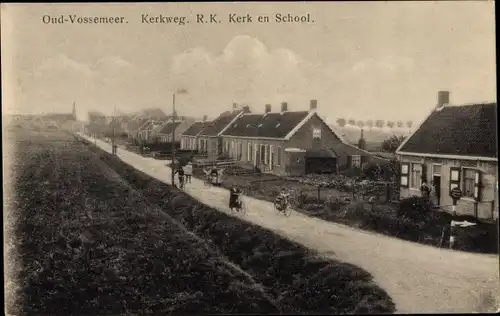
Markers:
point(265, 154)
point(477, 185)
point(271, 148)
point(405, 172)
point(454, 178)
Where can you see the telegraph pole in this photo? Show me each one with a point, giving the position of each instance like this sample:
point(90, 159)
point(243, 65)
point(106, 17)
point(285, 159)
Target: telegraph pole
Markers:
point(173, 138)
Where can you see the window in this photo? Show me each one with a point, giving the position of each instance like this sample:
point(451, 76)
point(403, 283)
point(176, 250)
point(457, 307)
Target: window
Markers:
point(356, 161)
point(436, 170)
point(471, 184)
point(316, 133)
point(226, 147)
point(416, 175)
point(262, 154)
point(454, 178)
point(469, 180)
point(405, 174)
point(249, 151)
point(240, 150)
point(279, 155)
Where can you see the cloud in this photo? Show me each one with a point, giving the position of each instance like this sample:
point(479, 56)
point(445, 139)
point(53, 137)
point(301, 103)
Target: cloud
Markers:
point(246, 70)
point(249, 71)
point(62, 62)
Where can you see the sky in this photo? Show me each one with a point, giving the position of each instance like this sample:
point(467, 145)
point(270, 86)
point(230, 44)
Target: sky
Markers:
point(360, 60)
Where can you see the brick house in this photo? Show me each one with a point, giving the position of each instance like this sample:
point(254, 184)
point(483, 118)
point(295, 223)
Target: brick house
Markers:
point(288, 142)
point(455, 146)
point(209, 138)
point(189, 138)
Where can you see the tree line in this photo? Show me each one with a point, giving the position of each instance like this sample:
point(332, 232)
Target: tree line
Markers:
point(373, 123)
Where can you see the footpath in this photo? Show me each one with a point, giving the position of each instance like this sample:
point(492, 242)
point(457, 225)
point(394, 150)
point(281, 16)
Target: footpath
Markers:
point(419, 278)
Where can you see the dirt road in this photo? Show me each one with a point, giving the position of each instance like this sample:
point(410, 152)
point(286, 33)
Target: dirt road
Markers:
point(419, 278)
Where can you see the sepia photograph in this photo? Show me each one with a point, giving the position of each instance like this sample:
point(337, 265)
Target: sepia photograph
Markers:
point(195, 158)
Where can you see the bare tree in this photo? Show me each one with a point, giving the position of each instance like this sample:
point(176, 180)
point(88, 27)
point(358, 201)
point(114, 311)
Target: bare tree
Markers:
point(379, 123)
point(341, 122)
point(351, 122)
point(369, 124)
point(360, 124)
point(390, 124)
point(400, 124)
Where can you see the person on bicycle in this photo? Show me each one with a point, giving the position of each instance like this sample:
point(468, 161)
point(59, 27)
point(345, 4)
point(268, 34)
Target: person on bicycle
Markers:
point(214, 175)
point(282, 198)
point(180, 174)
point(234, 197)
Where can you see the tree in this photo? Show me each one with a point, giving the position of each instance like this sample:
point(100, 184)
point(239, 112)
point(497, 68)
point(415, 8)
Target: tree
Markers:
point(379, 123)
point(409, 124)
point(360, 124)
point(400, 124)
point(390, 124)
point(392, 143)
point(369, 124)
point(351, 122)
point(341, 122)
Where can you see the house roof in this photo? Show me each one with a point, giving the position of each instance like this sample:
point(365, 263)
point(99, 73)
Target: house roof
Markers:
point(195, 128)
point(270, 125)
point(168, 127)
point(321, 153)
point(348, 150)
point(216, 126)
point(136, 123)
point(152, 125)
point(466, 130)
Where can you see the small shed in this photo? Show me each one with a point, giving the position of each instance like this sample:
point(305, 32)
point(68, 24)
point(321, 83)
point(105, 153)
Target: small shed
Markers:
point(321, 161)
point(295, 161)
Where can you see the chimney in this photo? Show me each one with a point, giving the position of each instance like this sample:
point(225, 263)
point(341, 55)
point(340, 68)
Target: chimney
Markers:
point(246, 109)
point(204, 118)
point(443, 98)
point(268, 108)
point(284, 106)
point(313, 105)
point(235, 105)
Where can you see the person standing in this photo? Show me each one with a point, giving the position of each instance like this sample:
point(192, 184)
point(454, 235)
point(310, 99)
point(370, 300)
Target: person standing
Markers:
point(425, 190)
point(188, 170)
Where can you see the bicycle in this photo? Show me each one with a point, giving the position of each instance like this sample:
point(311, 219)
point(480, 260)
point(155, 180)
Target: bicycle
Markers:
point(282, 206)
point(240, 206)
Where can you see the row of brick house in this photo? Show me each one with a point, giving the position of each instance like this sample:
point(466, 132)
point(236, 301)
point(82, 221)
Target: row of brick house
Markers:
point(284, 143)
point(455, 146)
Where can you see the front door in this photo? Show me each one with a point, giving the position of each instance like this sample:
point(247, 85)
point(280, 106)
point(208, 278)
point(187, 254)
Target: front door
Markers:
point(436, 181)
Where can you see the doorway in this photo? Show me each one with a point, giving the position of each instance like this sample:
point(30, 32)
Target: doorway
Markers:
point(436, 180)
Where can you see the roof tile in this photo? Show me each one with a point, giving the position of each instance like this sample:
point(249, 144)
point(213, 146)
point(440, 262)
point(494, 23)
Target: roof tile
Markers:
point(217, 125)
point(270, 125)
point(467, 130)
